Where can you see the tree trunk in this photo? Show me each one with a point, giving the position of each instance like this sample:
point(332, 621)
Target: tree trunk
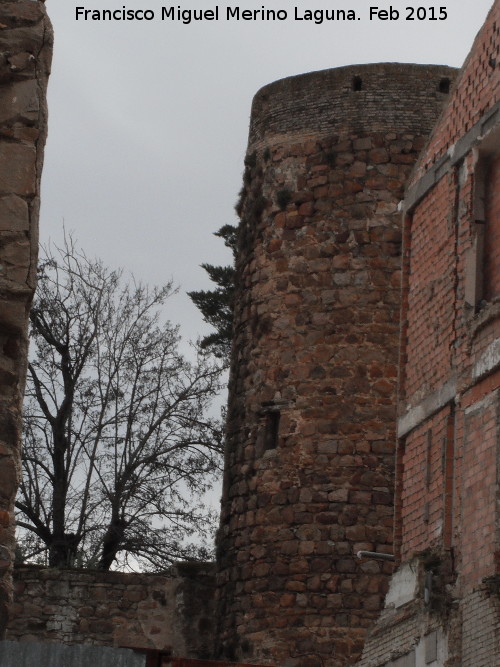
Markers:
point(63, 550)
point(113, 540)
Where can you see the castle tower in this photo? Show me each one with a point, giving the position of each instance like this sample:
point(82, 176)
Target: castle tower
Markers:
point(311, 419)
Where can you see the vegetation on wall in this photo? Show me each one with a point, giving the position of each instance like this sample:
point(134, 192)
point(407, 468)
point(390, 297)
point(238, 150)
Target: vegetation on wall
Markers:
point(216, 305)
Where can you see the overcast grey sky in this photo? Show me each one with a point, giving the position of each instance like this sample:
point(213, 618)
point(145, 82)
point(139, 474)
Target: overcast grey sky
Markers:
point(149, 119)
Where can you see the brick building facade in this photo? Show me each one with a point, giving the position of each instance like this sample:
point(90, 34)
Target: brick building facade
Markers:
point(443, 606)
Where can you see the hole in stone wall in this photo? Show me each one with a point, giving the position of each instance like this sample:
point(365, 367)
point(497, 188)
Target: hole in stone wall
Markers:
point(283, 197)
point(272, 430)
point(444, 85)
point(357, 83)
point(246, 646)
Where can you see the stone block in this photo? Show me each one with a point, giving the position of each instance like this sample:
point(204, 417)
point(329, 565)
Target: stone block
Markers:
point(431, 647)
point(19, 101)
point(14, 213)
point(14, 14)
point(17, 169)
point(8, 476)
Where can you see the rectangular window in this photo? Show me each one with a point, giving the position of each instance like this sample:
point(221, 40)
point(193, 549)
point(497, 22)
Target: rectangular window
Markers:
point(272, 430)
point(474, 261)
point(482, 268)
point(492, 230)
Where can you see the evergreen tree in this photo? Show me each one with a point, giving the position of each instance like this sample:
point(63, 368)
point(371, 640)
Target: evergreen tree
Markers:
point(216, 305)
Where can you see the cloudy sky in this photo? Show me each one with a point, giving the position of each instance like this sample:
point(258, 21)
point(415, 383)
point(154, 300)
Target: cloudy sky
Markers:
point(149, 119)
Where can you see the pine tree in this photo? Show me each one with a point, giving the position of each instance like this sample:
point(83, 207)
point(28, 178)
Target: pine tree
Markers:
point(216, 305)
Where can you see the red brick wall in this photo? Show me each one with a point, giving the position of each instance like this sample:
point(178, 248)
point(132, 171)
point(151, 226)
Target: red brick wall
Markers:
point(478, 545)
point(444, 336)
point(448, 473)
point(474, 92)
point(431, 299)
point(424, 513)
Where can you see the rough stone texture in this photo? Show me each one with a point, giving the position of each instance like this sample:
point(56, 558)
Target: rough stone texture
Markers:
point(15, 654)
point(25, 53)
point(142, 611)
point(183, 662)
point(310, 453)
point(447, 480)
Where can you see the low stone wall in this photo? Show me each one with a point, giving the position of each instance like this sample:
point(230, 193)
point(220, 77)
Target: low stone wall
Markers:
point(160, 612)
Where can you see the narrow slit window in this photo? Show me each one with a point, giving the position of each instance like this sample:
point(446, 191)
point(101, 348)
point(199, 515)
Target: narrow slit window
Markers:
point(272, 430)
point(491, 290)
point(357, 83)
point(475, 255)
point(444, 86)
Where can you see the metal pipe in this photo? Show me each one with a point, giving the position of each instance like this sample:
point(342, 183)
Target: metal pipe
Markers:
point(375, 555)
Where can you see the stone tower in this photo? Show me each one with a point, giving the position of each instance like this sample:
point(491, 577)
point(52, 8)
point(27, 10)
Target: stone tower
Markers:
point(310, 445)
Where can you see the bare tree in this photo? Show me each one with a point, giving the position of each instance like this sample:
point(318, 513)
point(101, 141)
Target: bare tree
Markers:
point(118, 449)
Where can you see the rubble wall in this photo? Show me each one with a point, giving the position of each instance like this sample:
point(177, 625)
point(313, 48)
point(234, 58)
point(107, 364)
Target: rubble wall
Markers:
point(171, 612)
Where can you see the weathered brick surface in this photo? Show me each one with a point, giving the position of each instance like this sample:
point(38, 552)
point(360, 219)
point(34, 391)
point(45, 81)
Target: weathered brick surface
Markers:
point(449, 408)
point(25, 52)
point(430, 311)
point(316, 343)
point(446, 337)
point(423, 518)
point(481, 630)
point(475, 91)
point(173, 611)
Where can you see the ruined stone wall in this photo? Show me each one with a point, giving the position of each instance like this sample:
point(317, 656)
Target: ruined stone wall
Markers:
point(172, 612)
point(25, 53)
point(310, 444)
point(448, 521)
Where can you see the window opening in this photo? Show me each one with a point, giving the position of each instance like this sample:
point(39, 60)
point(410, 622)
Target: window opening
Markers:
point(444, 86)
point(428, 476)
point(357, 83)
point(272, 429)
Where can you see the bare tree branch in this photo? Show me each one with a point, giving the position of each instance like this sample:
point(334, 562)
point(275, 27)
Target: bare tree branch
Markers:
point(117, 445)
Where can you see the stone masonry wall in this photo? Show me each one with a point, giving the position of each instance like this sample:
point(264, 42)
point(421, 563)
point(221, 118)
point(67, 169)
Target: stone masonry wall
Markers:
point(25, 53)
point(447, 511)
point(310, 453)
point(171, 612)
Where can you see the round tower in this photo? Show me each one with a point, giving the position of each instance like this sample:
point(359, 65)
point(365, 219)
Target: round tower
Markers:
point(311, 417)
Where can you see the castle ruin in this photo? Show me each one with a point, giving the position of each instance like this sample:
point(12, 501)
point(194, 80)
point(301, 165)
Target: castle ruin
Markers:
point(309, 470)
point(364, 411)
